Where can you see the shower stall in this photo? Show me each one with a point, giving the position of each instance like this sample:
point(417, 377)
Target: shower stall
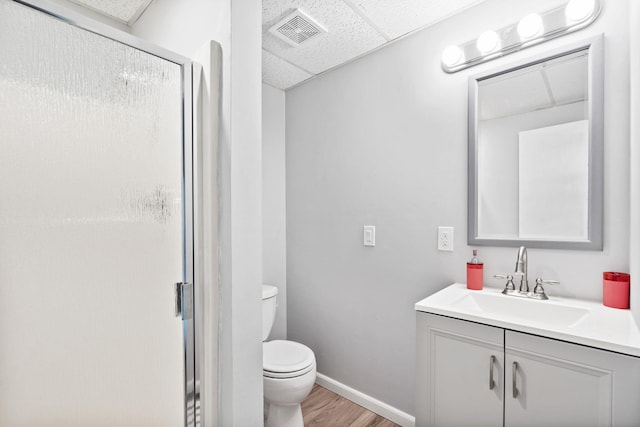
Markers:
point(96, 225)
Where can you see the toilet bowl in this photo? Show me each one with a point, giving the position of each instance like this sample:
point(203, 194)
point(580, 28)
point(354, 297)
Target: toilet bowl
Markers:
point(289, 371)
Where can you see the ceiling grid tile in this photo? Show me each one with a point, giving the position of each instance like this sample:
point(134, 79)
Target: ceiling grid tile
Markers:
point(348, 35)
point(280, 74)
point(126, 11)
point(354, 28)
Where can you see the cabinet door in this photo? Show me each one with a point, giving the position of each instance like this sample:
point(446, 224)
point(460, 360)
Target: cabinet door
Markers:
point(455, 362)
point(563, 384)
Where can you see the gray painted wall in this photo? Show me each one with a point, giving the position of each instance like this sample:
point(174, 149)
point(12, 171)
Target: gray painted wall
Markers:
point(274, 244)
point(382, 141)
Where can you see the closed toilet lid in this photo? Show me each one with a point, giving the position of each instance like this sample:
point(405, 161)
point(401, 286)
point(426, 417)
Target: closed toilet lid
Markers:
point(286, 357)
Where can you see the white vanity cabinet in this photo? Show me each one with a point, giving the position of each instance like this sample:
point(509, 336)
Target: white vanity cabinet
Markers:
point(470, 374)
point(455, 362)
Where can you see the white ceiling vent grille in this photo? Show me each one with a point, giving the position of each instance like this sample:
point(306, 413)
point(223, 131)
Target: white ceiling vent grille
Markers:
point(297, 28)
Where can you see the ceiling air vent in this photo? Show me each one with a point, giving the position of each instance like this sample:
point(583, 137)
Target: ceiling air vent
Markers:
point(297, 28)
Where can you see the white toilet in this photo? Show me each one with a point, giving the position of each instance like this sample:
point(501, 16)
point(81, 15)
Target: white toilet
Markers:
point(289, 370)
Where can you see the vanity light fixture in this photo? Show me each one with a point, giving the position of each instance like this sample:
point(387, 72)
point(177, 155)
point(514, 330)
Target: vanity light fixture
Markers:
point(579, 10)
point(532, 29)
point(488, 42)
point(452, 55)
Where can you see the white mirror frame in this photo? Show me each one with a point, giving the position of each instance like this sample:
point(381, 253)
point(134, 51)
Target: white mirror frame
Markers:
point(594, 242)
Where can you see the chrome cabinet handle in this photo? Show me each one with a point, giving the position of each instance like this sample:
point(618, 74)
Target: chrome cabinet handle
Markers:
point(492, 361)
point(514, 371)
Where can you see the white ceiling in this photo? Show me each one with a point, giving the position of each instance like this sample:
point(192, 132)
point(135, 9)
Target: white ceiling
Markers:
point(354, 28)
point(125, 11)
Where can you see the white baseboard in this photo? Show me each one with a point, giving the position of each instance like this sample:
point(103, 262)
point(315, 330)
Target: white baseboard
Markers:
point(366, 401)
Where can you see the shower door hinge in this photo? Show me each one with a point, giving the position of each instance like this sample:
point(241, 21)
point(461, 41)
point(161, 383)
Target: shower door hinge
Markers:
point(183, 300)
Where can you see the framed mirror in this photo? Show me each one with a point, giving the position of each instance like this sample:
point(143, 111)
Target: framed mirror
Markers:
point(536, 151)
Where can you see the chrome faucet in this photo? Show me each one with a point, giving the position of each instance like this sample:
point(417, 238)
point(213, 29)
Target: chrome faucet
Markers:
point(521, 269)
point(538, 291)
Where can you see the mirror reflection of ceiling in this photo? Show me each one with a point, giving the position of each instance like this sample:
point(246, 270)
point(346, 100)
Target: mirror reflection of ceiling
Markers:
point(553, 83)
point(354, 28)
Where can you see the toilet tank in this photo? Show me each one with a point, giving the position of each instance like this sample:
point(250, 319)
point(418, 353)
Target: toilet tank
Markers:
point(269, 297)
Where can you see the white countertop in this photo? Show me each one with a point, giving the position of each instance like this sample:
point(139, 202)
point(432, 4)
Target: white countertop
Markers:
point(579, 321)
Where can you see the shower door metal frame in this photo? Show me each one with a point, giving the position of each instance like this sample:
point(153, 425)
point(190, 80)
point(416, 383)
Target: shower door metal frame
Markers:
point(192, 405)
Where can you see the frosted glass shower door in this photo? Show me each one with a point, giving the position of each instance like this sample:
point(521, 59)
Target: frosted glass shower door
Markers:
point(91, 228)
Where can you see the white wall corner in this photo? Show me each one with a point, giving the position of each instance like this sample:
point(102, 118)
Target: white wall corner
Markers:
point(634, 227)
point(206, 88)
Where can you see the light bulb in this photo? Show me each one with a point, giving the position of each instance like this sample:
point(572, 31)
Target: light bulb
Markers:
point(488, 42)
point(578, 10)
point(452, 55)
point(530, 26)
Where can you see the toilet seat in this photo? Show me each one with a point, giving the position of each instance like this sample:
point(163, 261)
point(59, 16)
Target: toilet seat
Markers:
point(286, 359)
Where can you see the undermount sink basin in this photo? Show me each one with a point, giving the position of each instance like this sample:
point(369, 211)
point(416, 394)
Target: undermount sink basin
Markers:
point(583, 322)
point(521, 309)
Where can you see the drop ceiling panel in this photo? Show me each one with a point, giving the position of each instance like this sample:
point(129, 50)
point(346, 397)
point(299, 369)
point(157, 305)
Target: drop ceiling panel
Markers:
point(399, 17)
point(355, 27)
point(279, 73)
point(127, 11)
point(348, 34)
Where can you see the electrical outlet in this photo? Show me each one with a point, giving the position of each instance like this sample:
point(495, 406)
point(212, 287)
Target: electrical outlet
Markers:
point(445, 238)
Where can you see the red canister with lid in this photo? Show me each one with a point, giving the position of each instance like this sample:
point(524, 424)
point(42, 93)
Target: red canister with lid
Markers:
point(615, 290)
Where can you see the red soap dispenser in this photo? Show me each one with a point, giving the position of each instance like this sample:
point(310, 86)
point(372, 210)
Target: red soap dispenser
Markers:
point(475, 273)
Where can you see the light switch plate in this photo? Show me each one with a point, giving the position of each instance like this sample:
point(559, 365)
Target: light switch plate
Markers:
point(445, 238)
point(369, 235)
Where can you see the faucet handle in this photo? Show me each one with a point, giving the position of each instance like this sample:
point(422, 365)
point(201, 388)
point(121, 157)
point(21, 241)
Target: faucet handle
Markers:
point(509, 287)
point(538, 291)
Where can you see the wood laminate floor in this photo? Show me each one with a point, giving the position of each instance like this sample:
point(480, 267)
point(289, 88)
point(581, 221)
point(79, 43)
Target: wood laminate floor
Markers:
point(324, 408)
